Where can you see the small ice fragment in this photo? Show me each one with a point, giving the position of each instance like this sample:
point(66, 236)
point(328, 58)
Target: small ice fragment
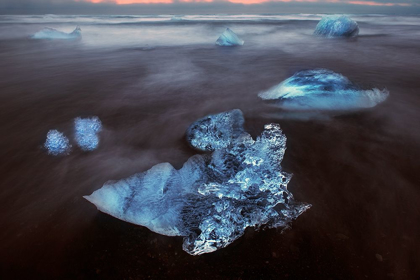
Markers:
point(177, 18)
point(322, 89)
point(86, 133)
point(229, 39)
point(57, 144)
point(51, 33)
point(213, 198)
point(215, 131)
point(337, 26)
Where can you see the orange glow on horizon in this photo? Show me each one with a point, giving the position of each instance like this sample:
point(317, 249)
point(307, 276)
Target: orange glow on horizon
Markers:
point(369, 3)
point(127, 2)
point(249, 2)
point(372, 3)
point(195, 1)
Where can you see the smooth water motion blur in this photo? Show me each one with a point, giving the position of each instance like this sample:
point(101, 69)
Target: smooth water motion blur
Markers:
point(322, 89)
point(212, 199)
point(229, 39)
point(337, 26)
point(216, 131)
point(86, 133)
point(148, 77)
point(57, 143)
point(51, 33)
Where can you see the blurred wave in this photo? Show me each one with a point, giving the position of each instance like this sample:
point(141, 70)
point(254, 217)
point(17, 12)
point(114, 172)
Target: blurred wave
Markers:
point(148, 78)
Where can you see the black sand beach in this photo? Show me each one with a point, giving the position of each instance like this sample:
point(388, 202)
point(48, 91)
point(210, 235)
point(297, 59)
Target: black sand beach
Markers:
point(360, 171)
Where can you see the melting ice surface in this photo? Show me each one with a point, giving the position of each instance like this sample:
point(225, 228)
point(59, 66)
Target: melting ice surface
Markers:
point(229, 39)
point(214, 132)
point(86, 133)
point(322, 89)
point(337, 26)
point(56, 143)
point(51, 33)
point(213, 198)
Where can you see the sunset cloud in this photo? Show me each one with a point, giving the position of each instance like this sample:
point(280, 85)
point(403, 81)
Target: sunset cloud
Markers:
point(372, 3)
point(255, 2)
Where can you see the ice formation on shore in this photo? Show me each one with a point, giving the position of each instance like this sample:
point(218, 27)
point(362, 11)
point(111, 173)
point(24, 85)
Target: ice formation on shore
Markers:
point(213, 198)
point(57, 143)
point(86, 133)
point(51, 33)
point(217, 131)
point(337, 26)
point(229, 39)
point(322, 89)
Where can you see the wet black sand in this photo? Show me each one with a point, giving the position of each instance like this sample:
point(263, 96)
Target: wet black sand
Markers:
point(360, 171)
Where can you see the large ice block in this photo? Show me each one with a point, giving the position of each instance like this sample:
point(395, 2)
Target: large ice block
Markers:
point(213, 198)
point(322, 89)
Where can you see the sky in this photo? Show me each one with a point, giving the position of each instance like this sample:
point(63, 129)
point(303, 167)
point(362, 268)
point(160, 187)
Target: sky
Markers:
point(207, 6)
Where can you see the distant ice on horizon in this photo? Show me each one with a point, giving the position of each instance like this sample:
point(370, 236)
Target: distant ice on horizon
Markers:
point(52, 34)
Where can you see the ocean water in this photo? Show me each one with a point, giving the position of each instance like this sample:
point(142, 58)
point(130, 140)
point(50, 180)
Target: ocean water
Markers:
point(148, 78)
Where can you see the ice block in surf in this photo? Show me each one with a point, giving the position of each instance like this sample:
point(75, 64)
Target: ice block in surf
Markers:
point(229, 39)
point(57, 143)
point(86, 132)
point(54, 34)
point(337, 26)
point(322, 89)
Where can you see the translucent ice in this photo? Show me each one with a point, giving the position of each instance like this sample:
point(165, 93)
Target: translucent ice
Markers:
point(322, 89)
point(337, 26)
point(216, 131)
point(51, 33)
point(56, 143)
point(86, 132)
point(212, 199)
point(229, 39)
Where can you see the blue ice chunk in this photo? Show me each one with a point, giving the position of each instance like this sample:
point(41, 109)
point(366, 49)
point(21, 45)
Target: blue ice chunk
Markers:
point(213, 198)
point(57, 144)
point(86, 133)
point(216, 131)
point(229, 39)
point(51, 33)
point(337, 26)
point(322, 89)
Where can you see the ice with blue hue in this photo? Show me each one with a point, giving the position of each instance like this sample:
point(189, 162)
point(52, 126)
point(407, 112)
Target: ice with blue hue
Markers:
point(57, 143)
point(213, 198)
point(214, 132)
point(86, 132)
point(322, 89)
point(229, 39)
point(337, 26)
point(51, 33)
